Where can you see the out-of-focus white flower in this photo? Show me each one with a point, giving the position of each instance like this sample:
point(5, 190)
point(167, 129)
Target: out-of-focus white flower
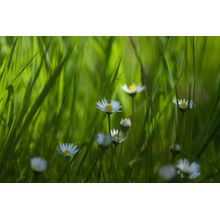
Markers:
point(125, 123)
point(132, 89)
point(117, 136)
point(195, 170)
point(167, 172)
point(38, 164)
point(185, 169)
point(175, 148)
point(103, 140)
point(109, 107)
point(67, 150)
point(183, 104)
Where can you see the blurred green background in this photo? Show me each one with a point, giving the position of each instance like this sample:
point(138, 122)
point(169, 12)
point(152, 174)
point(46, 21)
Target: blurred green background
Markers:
point(50, 86)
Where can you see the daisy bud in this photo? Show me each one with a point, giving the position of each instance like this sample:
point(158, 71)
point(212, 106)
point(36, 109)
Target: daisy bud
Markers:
point(167, 172)
point(175, 148)
point(125, 124)
point(38, 164)
point(103, 140)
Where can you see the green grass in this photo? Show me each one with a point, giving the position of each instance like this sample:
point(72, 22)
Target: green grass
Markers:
point(49, 89)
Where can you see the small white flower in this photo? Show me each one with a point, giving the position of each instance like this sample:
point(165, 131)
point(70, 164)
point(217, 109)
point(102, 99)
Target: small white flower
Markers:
point(195, 170)
point(184, 167)
point(109, 107)
point(38, 164)
point(167, 172)
point(117, 136)
point(67, 150)
point(132, 89)
point(103, 140)
point(125, 123)
point(183, 104)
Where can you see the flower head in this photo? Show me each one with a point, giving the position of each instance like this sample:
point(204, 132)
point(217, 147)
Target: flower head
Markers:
point(183, 104)
point(117, 136)
point(103, 140)
point(185, 169)
point(38, 164)
point(132, 89)
point(175, 148)
point(109, 107)
point(167, 172)
point(67, 150)
point(125, 124)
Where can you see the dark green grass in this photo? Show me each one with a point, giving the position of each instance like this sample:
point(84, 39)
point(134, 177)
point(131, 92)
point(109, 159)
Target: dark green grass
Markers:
point(49, 89)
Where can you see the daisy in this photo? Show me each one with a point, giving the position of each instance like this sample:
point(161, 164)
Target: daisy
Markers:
point(184, 168)
point(103, 140)
point(38, 164)
point(67, 150)
point(132, 89)
point(125, 123)
point(109, 107)
point(117, 136)
point(183, 104)
point(167, 172)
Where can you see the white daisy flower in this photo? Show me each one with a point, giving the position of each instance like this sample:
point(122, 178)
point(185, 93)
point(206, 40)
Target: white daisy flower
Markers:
point(67, 150)
point(184, 167)
point(132, 89)
point(183, 104)
point(125, 123)
point(117, 136)
point(109, 107)
point(167, 172)
point(195, 170)
point(103, 140)
point(38, 164)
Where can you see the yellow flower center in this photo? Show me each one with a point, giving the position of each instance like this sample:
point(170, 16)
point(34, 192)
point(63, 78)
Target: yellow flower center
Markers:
point(132, 88)
point(66, 152)
point(186, 170)
point(109, 108)
point(117, 136)
point(183, 105)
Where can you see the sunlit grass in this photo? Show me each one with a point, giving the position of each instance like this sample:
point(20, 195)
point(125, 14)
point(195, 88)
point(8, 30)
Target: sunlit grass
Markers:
point(50, 87)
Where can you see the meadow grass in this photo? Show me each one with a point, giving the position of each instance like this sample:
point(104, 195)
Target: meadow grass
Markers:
point(50, 87)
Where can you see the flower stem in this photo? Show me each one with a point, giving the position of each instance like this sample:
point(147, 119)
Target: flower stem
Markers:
point(112, 162)
point(109, 124)
point(67, 172)
point(100, 170)
point(66, 169)
point(132, 104)
point(91, 170)
point(101, 153)
point(67, 176)
point(36, 177)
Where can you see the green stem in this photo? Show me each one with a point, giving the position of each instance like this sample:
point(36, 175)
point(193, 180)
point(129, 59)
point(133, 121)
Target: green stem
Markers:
point(93, 167)
point(101, 153)
point(67, 176)
point(100, 170)
point(179, 130)
point(109, 124)
point(67, 171)
point(132, 103)
point(112, 162)
point(36, 177)
point(120, 153)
